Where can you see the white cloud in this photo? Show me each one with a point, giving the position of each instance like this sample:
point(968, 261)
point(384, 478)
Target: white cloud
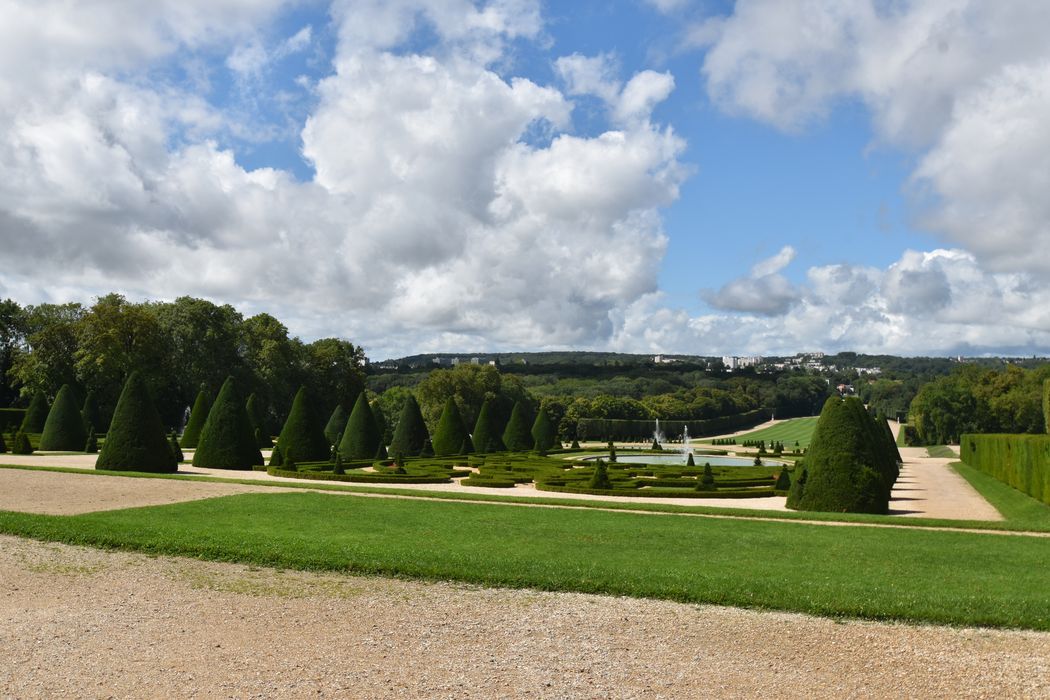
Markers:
point(597, 75)
point(764, 291)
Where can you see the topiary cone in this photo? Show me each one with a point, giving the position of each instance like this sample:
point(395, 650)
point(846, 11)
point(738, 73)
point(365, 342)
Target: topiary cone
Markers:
point(36, 414)
point(302, 437)
point(191, 434)
point(64, 428)
point(451, 433)
point(361, 438)
point(411, 435)
point(136, 439)
point(227, 440)
point(544, 435)
point(517, 436)
point(487, 434)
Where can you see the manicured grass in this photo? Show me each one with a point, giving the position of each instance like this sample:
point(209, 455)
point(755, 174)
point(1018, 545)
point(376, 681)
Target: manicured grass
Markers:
point(927, 576)
point(900, 436)
point(1019, 509)
point(788, 432)
point(941, 451)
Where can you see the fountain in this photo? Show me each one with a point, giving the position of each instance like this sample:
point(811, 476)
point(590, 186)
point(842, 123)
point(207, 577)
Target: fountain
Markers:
point(686, 449)
point(657, 435)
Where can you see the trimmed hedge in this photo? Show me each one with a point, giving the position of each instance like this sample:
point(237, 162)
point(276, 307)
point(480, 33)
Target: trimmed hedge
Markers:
point(487, 432)
point(411, 435)
point(191, 434)
point(721, 493)
point(1021, 461)
point(544, 436)
point(136, 440)
point(517, 436)
point(64, 428)
point(336, 422)
point(258, 420)
point(361, 436)
point(451, 435)
point(11, 418)
point(36, 414)
point(302, 437)
point(228, 439)
point(627, 430)
point(90, 413)
point(361, 478)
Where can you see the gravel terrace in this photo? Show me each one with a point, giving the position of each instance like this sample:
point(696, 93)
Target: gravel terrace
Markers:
point(87, 623)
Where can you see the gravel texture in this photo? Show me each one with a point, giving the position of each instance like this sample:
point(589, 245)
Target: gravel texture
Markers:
point(78, 622)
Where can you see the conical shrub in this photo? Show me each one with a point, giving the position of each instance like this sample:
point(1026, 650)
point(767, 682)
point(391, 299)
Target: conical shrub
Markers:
point(302, 437)
point(91, 444)
point(136, 440)
point(227, 440)
point(176, 451)
point(600, 478)
point(450, 433)
point(381, 422)
point(361, 438)
point(191, 434)
point(90, 413)
point(258, 420)
point(21, 445)
point(517, 436)
point(3, 445)
point(411, 435)
point(336, 422)
point(36, 414)
point(544, 436)
point(487, 435)
point(64, 428)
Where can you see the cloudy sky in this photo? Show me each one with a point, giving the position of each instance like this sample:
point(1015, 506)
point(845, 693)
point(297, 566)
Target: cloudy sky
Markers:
point(694, 176)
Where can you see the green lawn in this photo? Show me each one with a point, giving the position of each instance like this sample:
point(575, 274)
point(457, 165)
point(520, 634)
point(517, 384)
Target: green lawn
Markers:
point(788, 432)
point(1019, 509)
point(942, 451)
point(919, 575)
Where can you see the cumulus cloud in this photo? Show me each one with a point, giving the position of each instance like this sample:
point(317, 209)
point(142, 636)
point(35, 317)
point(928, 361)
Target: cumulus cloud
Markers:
point(764, 291)
point(964, 83)
point(452, 205)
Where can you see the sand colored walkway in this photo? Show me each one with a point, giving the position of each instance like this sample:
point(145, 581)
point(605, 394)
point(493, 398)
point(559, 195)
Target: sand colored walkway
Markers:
point(929, 488)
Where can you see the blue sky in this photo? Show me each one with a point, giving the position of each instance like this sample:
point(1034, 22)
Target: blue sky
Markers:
point(760, 176)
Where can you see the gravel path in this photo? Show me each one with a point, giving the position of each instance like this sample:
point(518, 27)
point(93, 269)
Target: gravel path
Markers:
point(929, 488)
point(80, 622)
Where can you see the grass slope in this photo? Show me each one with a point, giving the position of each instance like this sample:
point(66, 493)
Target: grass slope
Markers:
point(788, 432)
point(1019, 509)
point(927, 576)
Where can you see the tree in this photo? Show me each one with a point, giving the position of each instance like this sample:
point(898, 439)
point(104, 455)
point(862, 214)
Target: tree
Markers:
point(544, 436)
point(227, 440)
point(336, 422)
point(198, 417)
point(411, 435)
point(487, 433)
point(516, 436)
point(51, 344)
point(64, 429)
point(136, 439)
point(361, 438)
point(12, 340)
point(334, 371)
point(36, 414)
point(302, 437)
point(451, 434)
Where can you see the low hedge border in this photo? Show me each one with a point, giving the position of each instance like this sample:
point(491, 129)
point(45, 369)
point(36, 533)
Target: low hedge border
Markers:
point(359, 478)
point(761, 492)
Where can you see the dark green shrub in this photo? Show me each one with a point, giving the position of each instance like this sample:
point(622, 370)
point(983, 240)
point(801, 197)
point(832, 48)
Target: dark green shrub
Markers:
point(289, 465)
point(1046, 405)
point(381, 422)
point(656, 445)
point(467, 448)
point(20, 445)
point(361, 437)
point(544, 435)
point(336, 422)
point(275, 457)
point(36, 414)
point(600, 478)
point(708, 477)
point(381, 453)
point(191, 434)
point(517, 436)
point(411, 435)
point(487, 433)
point(136, 440)
point(575, 445)
point(690, 462)
point(783, 481)
point(1022, 461)
point(337, 465)
point(257, 416)
point(3, 445)
point(451, 433)
point(227, 440)
point(91, 443)
point(302, 438)
point(176, 450)
point(64, 427)
point(89, 412)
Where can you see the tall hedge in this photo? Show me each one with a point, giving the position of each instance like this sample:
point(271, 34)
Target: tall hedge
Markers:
point(64, 428)
point(1022, 461)
point(844, 469)
point(544, 435)
point(227, 440)
point(1046, 405)
point(90, 413)
point(638, 429)
point(517, 436)
point(191, 434)
point(302, 437)
point(451, 434)
point(136, 440)
point(411, 435)
point(258, 421)
point(36, 414)
point(361, 437)
point(336, 422)
point(488, 433)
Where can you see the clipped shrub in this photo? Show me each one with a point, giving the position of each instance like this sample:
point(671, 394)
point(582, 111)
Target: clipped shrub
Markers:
point(1046, 405)
point(336, 422)
point(257, 416)
point(64, 427)
point(302, 437)
point(1022, 461)
point(361, 438)
point(191, 434)
point(136, 440)
point(656, 445)
point(709, 476)
point(381, 422)
point(411, 435)
point(91, 443)
point(544, 435)
point(600, 479)
point(89, 412)
point(20, 445)
point(275, 457)
point(36, 414)
point(3, 445)
point(381, 453)
point(467, 448)
point(487, 433)
point(227, 440)
point(173, 440)
point(337, 465)
point(575, 445)
point(783, 481)
point(690, 462)
point(451, 433)
point(517, 436)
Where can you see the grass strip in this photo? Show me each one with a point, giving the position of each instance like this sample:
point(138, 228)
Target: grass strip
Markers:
point(1018, 508)
point(879, 574)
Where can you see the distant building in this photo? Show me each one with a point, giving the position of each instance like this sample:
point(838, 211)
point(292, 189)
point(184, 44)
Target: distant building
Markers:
point(733, 362)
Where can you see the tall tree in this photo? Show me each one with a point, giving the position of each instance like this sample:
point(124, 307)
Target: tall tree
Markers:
point(47, 362)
